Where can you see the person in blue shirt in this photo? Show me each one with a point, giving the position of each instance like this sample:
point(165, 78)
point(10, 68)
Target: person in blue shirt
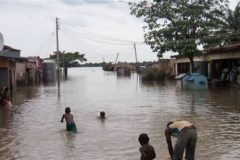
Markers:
point(186, 138)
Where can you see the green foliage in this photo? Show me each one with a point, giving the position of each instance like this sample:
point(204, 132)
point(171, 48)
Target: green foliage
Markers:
point(69, 59)
point(232, 19)
point(151, 74)
point(92, 64)
point(180, 26)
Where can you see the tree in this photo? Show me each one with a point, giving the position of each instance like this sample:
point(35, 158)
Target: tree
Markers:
point(69, 59)
point(233, 23)
point(181, 26)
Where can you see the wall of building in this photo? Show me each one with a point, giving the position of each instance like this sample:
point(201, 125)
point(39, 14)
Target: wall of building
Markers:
point(226, 55)
point(21, 73)
point(31, 72)
point(201, 67)
point(166, 65)
point(4, 62)
point(4, 77)
point(12, 75)
point(4, 65)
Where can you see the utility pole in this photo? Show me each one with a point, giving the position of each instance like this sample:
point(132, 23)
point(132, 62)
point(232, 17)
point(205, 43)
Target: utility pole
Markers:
point(134, 45)
point(58, 66)
point(116, 58)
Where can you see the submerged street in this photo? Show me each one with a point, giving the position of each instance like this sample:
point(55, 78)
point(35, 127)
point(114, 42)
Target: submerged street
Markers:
point(31, 128)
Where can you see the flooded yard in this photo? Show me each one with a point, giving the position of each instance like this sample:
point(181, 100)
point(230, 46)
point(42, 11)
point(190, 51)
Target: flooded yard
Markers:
point(31, 128)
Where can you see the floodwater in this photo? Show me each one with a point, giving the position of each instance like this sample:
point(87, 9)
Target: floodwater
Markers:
point(31, 128)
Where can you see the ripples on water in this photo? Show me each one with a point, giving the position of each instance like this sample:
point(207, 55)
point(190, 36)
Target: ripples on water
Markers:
point(31, 129)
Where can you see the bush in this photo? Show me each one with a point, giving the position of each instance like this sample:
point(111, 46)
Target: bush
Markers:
point(152, 74)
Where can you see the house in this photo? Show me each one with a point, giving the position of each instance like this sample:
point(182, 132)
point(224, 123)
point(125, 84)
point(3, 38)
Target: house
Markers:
point(225, 58)
point(216, 63)
point(8, 58)
point(29, 70)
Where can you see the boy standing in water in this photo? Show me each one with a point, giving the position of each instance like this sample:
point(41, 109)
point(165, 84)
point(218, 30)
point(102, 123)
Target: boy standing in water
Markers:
point(147, 150)
point(70, 124)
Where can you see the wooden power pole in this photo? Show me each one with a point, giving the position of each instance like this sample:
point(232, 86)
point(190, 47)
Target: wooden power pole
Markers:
point(116, 58)
point(137, 69)
point(58, 65)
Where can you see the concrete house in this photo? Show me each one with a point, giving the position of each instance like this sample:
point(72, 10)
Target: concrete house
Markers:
point(217, 63)
point(182, 64)
point(224, 63)
point(8, 58)
point(29, 71)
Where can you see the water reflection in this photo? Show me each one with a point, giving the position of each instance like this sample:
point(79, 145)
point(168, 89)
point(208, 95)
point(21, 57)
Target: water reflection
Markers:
point(31, 128)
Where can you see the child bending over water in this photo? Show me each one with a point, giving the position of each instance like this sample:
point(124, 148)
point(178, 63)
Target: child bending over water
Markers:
point(70, 124)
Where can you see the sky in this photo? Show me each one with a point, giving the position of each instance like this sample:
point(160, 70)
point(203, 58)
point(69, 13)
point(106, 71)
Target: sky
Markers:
point(97, 28)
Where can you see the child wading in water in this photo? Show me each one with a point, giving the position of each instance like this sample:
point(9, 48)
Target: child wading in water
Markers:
point(70, 124)
point(102, 115)
point(147, 150)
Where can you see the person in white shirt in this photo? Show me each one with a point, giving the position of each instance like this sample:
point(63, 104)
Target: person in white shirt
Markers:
point(186, 138)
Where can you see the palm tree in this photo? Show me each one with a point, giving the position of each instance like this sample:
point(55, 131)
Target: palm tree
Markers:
point(233, 23)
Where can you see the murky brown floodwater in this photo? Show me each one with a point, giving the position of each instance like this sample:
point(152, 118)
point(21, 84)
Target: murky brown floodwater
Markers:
point(31, 129)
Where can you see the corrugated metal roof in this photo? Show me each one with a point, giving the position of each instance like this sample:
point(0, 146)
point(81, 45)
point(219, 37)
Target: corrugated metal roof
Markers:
point(180, 76)
point(5, 47)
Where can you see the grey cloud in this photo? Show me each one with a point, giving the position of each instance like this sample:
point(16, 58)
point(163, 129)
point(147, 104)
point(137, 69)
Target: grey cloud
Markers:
point(80, 2)
point(37, 4)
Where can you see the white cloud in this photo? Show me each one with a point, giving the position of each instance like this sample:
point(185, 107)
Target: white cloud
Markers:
point(81, 2)
point(28, 25)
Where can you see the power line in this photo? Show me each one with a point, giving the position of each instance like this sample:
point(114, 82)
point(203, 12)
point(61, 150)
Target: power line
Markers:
point(77, 44)
point(84, 32)
point(229, 35)
point(46, 42)
point(70, 37)
point(101, 39)
point(107, 40)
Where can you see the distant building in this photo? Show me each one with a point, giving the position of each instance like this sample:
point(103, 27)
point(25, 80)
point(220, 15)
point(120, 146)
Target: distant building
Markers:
point(21, 74)
point(39, 69)
point(29, 71)
point(165, 65)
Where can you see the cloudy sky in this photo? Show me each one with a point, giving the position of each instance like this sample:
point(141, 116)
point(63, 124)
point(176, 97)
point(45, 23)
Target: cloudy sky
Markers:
point(98, 28)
